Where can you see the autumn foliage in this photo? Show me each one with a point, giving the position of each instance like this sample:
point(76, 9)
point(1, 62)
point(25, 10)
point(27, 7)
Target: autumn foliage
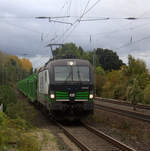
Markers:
point(131, 82)
point(12, 68)
point(26, 64)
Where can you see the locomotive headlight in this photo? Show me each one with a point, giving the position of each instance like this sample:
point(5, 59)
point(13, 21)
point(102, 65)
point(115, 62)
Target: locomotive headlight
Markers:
point(71, 63)
point(91, 96)
point(52, 96)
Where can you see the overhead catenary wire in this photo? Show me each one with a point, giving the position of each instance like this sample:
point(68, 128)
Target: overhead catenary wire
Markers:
point(109, 32)
point(133, 42)
point(37, 17)
point(109, 18)
point(66, 31)
point(92, 34)
point(92, 18)
point(56, 21)
point(40, 63)
point(50, 19)
point(120, 30)
point(85, 11)
point(22, 27)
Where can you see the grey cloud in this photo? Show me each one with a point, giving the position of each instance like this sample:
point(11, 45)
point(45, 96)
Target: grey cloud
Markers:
point(23, 36)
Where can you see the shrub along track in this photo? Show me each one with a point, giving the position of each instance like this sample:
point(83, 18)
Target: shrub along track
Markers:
point(124, 112)
point(88, 138)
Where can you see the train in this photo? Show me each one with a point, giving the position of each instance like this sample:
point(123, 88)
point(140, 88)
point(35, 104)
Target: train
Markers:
point(63, 88)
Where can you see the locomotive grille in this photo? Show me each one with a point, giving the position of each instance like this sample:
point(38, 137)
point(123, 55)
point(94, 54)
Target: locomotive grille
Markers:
point(78, 95)
point(62, 95)
point(82, 95)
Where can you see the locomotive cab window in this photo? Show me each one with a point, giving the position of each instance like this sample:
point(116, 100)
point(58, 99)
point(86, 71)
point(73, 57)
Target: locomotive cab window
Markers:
point(62, 73)
point(72, 73)
point(81, 73)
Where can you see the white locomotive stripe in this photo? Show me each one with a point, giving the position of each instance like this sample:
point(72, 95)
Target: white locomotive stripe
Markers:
point(81, 100)
point(62, 99)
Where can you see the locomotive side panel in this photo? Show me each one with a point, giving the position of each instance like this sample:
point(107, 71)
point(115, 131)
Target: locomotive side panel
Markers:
point(43, 88)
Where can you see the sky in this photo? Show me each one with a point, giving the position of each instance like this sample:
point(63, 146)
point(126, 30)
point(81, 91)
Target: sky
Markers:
point(105, 21)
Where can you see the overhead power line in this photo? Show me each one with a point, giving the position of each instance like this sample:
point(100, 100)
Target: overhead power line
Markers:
point(67, 30)
point(56, 21)
point(94, 19)
point(21, 27)
point(92, 7)
point(84, 13)
point(48, 17)
point(121, 30)
point(39, 17)
point(133, 42)
point(109, 18)
point(51, 19)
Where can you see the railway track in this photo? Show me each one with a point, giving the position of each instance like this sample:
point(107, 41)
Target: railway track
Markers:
point(143, 117)
point(88, 138)
point(113, 101)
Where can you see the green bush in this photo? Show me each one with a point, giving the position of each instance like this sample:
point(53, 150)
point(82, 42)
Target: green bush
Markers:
point(18, 132)
point(7, 96)
point(119, 92)
point(134, 92)
point(15, 110)
point(115, 86)
point(2, 118)
point(100, 81)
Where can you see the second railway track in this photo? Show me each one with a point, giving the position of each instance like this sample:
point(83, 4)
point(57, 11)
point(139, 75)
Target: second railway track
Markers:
point(113, 101)
point(88, 138)
point(142, 117)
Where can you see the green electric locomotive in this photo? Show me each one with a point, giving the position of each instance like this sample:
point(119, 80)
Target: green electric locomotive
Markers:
point(64, 87)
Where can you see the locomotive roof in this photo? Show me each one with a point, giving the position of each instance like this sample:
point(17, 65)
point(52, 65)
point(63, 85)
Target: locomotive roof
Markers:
point(65, 62)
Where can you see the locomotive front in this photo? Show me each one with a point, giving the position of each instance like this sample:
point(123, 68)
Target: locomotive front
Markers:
point(71, 88)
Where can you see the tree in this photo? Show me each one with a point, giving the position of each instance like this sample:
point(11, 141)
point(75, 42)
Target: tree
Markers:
point(108, 59)
point(147, 94)
point(100, 70)
point(26, 64)
point(71, 50)
point(68, 49)
point(134, 93)
point(13, 69)
point(100, 80)
point(137, 69)
point(115, 85)
point(136, 66)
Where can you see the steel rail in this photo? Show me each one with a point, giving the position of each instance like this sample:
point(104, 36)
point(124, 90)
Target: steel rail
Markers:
point(111, 140)
point(113, 101)
point(142, 117)
point(82, 146)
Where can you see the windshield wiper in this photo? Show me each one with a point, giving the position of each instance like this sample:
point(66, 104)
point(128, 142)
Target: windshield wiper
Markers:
point(78, 74)
point(68, 76)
